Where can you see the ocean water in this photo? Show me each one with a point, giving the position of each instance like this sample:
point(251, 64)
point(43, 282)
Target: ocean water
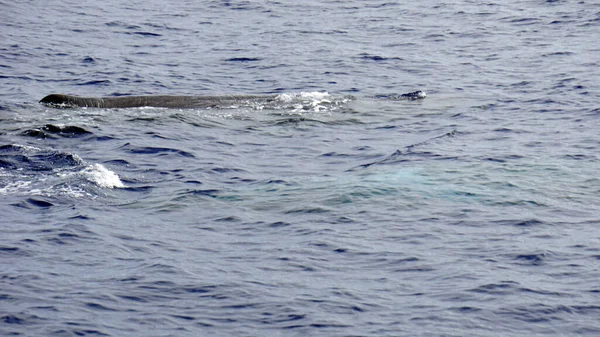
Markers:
point(472, 212)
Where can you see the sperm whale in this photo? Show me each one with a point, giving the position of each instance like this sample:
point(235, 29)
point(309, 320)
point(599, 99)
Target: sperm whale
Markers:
point(158, 101)
point(165, 101)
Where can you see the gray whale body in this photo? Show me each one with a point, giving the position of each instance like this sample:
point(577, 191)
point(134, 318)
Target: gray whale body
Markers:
point(165, 101)
point(159, 101)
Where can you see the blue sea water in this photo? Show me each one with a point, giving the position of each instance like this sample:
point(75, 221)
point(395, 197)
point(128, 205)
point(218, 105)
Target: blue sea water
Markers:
point(473, 212)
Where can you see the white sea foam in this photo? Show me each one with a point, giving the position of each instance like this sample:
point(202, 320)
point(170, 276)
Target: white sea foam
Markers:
point(313, 96)
point(27, 148)
point(315, 101)
point(12, 187)
point(101, 176)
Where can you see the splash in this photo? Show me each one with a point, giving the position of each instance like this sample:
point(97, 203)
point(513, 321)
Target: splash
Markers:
point(310, 101)
point(34, 171)
point(314, 96)
point(101, 176)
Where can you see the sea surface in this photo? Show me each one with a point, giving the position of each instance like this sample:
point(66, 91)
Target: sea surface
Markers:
point(472, 212)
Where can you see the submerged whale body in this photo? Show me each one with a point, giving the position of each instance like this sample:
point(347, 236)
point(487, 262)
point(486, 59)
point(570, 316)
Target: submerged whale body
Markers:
point(162, 101)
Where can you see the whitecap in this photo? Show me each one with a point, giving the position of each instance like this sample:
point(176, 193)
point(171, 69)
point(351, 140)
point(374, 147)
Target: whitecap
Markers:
point(313, 96)
point(101, 176)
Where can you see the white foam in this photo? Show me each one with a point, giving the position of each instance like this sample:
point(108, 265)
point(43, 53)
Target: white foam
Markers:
point(313, 96)
point(101, 176)
point(71, 191)
point(14, 187)
point(314, 101)
point(27, 148)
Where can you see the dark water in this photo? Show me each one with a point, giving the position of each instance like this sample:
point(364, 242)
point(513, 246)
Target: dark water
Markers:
point(474, 212)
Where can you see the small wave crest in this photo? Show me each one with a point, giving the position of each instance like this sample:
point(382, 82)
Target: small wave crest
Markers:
point(35, 171)
point(101, 176)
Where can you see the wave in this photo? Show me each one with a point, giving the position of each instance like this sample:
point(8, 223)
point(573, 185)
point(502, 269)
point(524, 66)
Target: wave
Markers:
point(47, 172)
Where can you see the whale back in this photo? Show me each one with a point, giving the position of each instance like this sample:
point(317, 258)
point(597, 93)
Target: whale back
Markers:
point(66, 101)
point(108, 102)
point(164, 101)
